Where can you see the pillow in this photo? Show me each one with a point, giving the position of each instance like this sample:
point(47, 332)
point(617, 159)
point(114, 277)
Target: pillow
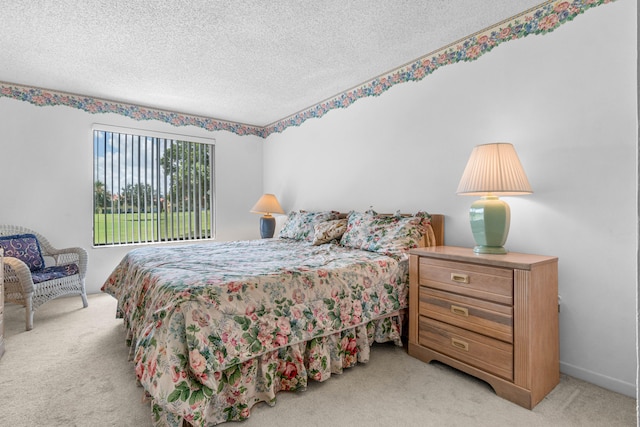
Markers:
point(300, 224)
point(429, 236)
point(25, 247)
point(390, 235)
point(325, 232)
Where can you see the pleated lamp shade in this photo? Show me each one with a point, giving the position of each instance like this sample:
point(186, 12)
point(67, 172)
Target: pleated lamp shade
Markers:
point(494, 169)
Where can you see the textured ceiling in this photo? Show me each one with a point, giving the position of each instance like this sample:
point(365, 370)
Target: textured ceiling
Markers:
point(249, 61)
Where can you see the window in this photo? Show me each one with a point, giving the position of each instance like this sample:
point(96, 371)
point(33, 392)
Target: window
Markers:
point(151, 187)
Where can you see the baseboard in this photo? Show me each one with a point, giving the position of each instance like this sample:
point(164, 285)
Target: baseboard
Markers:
point(603, 381)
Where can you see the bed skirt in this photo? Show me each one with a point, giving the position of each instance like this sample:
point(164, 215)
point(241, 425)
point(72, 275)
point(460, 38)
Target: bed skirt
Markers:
point(286, 369)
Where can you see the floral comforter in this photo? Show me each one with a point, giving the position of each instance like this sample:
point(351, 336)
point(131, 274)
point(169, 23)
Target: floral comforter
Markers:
point(196, 313)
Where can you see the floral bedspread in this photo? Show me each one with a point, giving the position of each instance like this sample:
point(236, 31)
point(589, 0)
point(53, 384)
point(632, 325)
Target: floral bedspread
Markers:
point(193, 312)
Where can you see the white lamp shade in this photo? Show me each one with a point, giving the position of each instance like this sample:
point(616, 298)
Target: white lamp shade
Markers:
point(267, 204)
point(494, 169)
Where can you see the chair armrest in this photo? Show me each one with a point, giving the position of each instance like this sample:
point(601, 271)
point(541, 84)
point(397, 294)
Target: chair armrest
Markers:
point(13, 267)
point(70, 256)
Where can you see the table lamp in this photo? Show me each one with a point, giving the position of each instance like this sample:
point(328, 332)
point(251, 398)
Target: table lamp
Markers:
point(267, 205)
point(493, 170)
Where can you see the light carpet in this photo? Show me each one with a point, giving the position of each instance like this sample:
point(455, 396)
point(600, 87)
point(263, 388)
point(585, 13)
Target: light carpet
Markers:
point(72, 370)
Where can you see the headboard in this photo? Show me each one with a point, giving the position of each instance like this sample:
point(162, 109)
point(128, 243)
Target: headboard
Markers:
point(437, 223)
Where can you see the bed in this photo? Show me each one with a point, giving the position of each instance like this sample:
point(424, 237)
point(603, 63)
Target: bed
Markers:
point(216, 327)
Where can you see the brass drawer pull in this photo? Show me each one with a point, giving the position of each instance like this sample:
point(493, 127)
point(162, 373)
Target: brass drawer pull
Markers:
point(460, 278)
point(459, 344)
point(460, 311)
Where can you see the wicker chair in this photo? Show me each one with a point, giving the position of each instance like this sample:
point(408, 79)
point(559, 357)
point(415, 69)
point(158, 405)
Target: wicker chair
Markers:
point(32, 287)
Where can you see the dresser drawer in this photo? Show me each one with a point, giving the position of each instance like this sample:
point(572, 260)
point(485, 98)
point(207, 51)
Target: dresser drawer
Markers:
point(478, 281)
point(483, 317)
point(477, 350)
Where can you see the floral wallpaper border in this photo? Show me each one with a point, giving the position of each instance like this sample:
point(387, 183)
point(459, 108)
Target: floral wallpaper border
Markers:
point(44, 97)
point(541, 19)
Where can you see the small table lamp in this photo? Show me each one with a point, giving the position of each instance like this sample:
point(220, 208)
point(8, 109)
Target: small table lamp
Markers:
point(267, 205)
point(493, 170)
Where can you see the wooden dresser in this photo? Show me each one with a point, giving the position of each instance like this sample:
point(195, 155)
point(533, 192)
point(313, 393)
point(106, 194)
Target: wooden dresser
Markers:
point(492, 316)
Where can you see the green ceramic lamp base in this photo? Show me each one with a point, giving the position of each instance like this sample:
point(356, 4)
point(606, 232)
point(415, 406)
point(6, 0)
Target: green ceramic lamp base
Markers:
point(490, 218)
point(489, 250)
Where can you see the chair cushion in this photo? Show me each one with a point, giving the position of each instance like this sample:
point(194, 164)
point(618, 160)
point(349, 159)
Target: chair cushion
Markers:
point(25, 247)
point(54, 272)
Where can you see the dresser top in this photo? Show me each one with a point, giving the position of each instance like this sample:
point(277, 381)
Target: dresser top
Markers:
point(508, 260)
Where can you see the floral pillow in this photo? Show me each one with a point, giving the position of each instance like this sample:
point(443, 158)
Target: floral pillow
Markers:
point(391, 235)
point(300, 224)
point(430, 237)
point(325, 232)
point(25, 247)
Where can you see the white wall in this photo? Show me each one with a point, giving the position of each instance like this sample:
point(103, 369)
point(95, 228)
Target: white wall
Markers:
point(567, 101)
point(46, 156)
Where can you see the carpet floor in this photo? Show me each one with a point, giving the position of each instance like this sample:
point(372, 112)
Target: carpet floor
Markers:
point(72, 370)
